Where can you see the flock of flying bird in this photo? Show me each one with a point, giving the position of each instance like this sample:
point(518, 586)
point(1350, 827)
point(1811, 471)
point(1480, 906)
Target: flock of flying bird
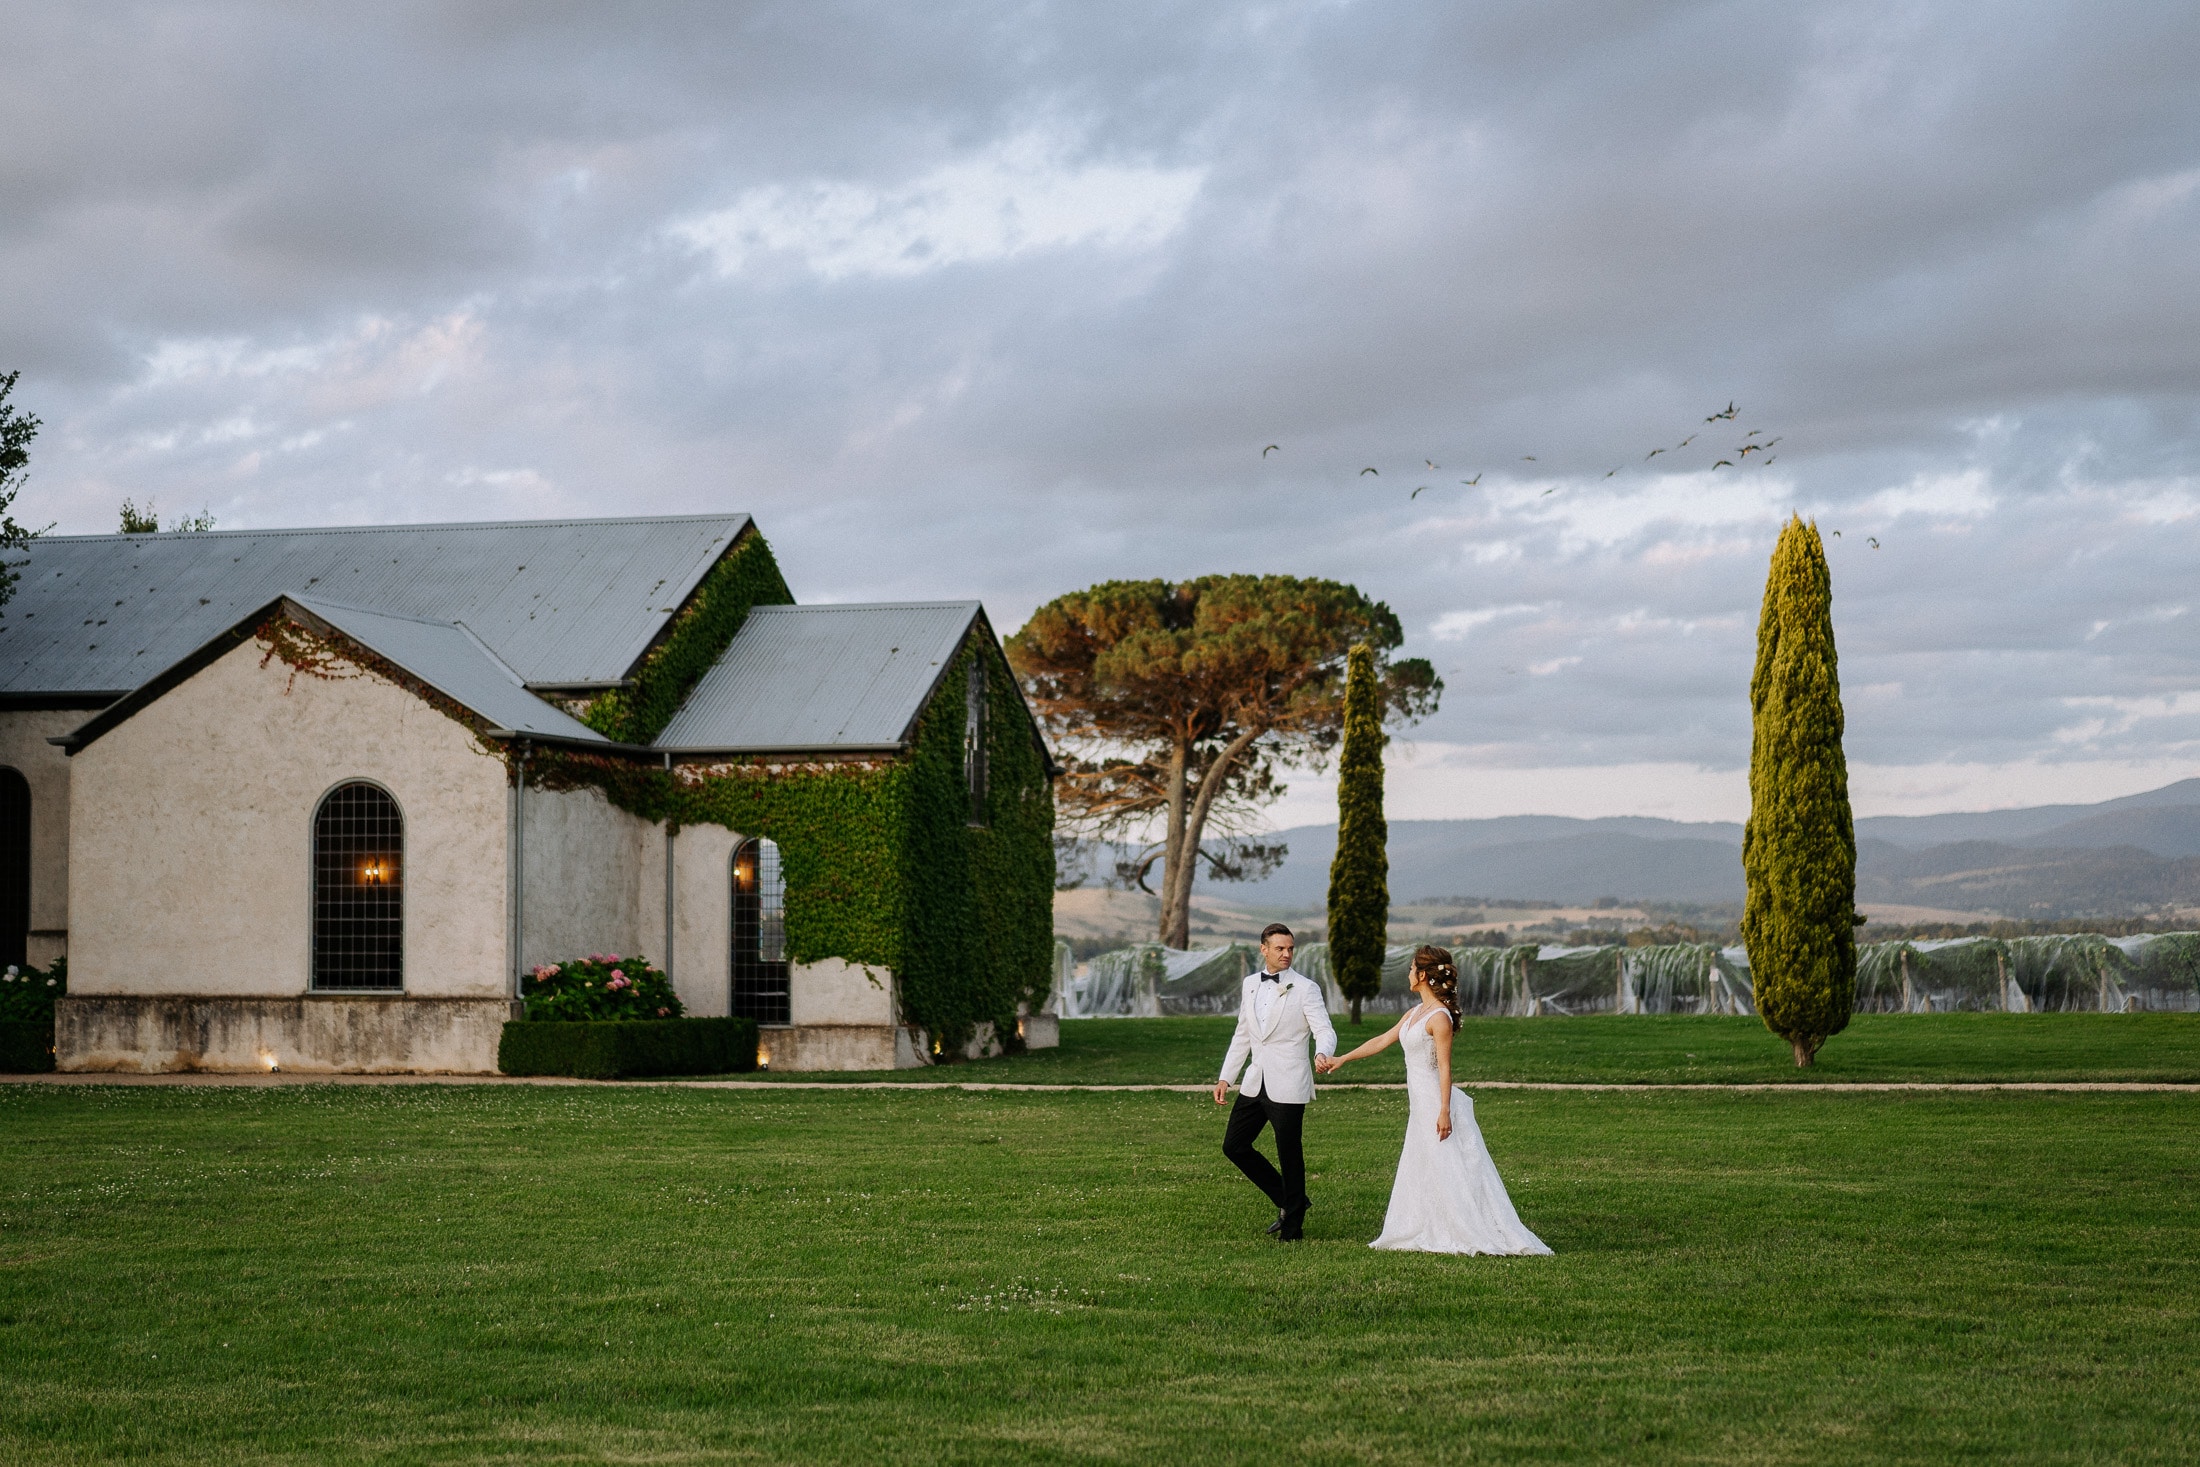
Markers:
point(1741, 452)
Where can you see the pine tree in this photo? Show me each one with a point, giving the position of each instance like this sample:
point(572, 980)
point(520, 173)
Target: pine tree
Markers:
point(1799, 847)
point(1359, 877)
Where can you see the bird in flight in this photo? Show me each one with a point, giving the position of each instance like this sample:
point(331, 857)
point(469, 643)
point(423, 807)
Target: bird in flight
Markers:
point(1609, 472)
point(1691, 438)
point(1726, 416)
point(1836, 534)
point(1370, 471)
point(1430, 462)
point(1470, 483)
point(1548, 492)
point(1724, 463)
point(1653, 453)
point(1874, 541)
point(1271, 448)
point(1416, 494)
point(1527, 458)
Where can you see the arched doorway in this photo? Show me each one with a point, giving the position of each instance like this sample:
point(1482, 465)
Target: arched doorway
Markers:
point(15, 867)
point(759, 963)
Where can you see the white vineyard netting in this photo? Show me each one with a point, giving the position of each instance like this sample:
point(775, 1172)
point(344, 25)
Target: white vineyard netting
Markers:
point(2082, 973)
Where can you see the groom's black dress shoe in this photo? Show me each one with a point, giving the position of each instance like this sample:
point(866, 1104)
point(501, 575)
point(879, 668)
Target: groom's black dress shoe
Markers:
point(1289, 1227)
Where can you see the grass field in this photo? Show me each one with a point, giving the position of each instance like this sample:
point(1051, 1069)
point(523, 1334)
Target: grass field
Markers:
point(1647, 1049)
point(650, 1274)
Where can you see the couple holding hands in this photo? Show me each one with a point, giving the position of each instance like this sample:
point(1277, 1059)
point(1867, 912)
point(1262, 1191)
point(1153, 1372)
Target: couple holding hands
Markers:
point(1447, 1197)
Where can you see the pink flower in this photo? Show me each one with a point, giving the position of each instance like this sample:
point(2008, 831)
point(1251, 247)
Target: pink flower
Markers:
point(618, 975)
point(662, 1012)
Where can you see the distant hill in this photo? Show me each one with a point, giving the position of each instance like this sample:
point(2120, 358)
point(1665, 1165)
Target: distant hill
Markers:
point(2019, 826)
point(2117, 857)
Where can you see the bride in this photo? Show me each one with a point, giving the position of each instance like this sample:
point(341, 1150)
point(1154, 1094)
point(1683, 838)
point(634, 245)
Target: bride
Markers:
point(1447, 1198)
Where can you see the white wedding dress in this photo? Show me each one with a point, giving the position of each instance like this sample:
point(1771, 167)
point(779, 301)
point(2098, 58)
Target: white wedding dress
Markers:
point(1448, 1198)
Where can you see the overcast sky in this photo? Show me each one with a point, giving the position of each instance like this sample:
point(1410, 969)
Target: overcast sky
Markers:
point(1002, 300)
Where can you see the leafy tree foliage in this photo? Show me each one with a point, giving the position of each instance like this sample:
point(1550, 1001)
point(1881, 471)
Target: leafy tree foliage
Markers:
point(145, 521)
point(17, 429)
point(1179, 703)
point(1799, 847)
point(1359, 875)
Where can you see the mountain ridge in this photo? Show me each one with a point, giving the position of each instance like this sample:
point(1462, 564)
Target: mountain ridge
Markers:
point(2112, 857)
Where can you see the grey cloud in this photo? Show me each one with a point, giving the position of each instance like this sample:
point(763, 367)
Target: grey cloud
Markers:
point(420, 261)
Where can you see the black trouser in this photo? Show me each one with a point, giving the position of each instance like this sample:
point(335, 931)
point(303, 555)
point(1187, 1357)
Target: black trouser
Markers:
point(1287, 1190)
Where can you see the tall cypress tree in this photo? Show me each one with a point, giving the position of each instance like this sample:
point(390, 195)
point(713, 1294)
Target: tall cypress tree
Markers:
point(1799, 847)
point(1359, 877)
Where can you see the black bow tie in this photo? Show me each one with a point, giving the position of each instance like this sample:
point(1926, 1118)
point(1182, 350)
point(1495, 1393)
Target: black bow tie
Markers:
point(1271, 977)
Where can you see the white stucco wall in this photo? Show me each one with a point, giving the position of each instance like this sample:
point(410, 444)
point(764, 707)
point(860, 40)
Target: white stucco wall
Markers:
point(585, 892)
point(702, 873)
point(23, 735)
point(836, 992)
point(191, 829)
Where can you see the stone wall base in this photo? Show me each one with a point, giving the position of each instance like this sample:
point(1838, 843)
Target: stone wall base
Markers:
point(1040, 1031)
point(796, 1047)
point(379, 1034)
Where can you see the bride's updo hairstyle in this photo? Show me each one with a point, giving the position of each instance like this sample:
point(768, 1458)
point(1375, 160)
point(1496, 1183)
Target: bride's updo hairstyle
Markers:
point(1436, 969)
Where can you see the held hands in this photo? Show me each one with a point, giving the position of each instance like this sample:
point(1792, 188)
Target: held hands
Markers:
point(1326, 1064)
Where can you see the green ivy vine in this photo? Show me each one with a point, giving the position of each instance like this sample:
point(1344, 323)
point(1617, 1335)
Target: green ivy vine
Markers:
point(883, 863)
point(746, 577)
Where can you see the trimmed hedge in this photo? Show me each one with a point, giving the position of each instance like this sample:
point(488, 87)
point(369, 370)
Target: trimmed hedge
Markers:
point(615, 1049)
point(26, 1046)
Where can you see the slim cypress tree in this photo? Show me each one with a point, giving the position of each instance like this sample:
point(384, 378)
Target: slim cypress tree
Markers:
point(1799, 847)
point(1359, 877)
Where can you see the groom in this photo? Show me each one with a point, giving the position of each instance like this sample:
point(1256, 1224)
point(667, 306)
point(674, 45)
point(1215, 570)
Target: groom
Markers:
point(1277, 1012)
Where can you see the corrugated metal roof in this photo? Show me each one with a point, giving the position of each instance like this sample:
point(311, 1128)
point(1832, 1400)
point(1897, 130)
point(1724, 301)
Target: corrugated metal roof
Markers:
point(452, 660)
point(821, 677)
point(560, 601)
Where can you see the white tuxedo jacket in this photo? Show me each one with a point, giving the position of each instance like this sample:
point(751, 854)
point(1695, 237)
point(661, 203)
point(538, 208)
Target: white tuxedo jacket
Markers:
point(1274, 1054)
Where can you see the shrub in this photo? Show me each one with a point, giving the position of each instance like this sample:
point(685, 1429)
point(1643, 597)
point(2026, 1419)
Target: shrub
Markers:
point(611, 1050)
point(26, 1046)
point(602, 986)
point(27, 994)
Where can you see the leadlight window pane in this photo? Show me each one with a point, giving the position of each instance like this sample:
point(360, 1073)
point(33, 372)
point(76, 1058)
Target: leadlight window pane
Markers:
point(974, 737)
point(759, 966)
point(358, 890)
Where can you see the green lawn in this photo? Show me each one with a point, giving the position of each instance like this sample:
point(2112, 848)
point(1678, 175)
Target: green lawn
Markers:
point(1648, 1049)
point(651, 1274)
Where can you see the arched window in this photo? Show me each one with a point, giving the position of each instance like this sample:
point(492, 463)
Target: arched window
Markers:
point(759, 934)
point(358, 890)
point(15, 867)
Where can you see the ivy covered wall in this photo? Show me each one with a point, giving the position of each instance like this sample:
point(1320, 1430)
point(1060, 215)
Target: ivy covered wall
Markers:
point(979, 896)
point(746, 576)
point(882, 860)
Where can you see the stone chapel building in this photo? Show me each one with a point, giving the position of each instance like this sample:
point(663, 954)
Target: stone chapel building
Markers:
point(317, 799)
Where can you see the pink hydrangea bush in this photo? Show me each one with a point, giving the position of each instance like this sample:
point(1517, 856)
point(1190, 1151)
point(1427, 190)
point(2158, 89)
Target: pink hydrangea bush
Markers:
point(599, 986)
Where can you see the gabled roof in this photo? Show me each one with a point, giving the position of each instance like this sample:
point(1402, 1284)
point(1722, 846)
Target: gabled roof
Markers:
point(448, 657)
point(444, 655)
point(566, 603)
point(819, 679)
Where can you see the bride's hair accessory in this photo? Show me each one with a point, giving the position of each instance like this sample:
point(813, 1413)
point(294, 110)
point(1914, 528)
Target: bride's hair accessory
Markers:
point(1441, 974)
